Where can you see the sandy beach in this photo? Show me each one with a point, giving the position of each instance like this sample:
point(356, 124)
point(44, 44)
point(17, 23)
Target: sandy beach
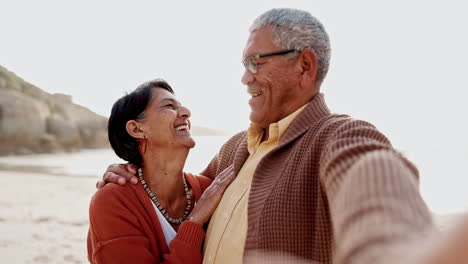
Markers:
point(44, 215)
point(44, 201)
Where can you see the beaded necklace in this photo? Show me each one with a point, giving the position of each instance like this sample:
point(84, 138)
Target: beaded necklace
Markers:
point(158, 204)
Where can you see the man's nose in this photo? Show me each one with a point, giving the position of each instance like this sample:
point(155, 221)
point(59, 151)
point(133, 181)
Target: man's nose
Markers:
point(247, 77)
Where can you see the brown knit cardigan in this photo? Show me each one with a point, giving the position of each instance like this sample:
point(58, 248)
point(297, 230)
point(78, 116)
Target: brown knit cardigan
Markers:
point(334, 190)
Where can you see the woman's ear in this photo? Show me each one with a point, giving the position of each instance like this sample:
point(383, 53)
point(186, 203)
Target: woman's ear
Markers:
point(134, 130)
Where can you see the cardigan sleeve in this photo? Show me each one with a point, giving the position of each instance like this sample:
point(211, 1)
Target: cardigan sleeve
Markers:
point(119, 232)
point(186, 246)
point(115, 231)
point(376, 209)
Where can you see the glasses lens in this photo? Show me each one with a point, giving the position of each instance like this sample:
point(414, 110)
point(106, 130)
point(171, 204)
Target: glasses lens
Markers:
point(246, 64)
point(251, 65)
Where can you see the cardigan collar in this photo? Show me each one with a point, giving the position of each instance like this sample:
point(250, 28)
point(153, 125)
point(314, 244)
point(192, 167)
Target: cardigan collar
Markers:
point(276, 130)
point(315, 110)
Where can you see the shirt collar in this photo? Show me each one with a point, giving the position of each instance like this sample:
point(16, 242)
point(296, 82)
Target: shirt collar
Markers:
point(275, 130)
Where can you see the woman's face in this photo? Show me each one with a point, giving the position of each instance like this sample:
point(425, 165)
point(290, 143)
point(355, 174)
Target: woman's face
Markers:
point(166, 121)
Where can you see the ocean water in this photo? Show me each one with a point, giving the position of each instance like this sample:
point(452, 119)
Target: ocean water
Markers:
point(443, 180)
point(94, 162)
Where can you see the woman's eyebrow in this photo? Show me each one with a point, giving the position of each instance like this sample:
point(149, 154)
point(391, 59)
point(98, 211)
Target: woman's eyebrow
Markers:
point(171, 99)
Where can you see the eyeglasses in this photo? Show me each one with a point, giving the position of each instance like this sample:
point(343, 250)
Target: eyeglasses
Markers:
point(251, 64)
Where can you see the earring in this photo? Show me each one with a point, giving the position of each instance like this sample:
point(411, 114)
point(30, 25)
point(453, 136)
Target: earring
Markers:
point(146, 141)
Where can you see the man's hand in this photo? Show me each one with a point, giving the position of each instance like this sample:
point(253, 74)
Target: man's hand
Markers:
point(446, 247)
point(119, 173)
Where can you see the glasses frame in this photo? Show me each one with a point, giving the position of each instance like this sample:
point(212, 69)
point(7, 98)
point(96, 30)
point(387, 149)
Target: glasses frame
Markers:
point(251, 64)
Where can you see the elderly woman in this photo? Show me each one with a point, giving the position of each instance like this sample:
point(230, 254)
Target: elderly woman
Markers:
point(161, 218)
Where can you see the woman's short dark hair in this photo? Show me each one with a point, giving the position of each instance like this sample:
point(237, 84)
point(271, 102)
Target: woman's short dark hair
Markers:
point(131, 107)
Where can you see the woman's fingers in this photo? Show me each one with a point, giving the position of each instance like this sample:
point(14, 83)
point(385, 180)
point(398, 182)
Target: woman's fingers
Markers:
point(227, 172)
point(224, 178)
point(221, 182)
point(229, 176)
point(211, 197)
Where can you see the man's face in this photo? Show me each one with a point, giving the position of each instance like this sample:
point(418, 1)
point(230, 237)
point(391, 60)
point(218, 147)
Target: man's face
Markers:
point(275, 87)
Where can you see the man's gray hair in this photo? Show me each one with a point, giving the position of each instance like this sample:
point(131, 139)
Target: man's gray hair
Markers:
point(298, 29)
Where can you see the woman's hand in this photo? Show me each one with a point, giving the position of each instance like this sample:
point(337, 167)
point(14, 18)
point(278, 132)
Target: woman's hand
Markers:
point(120, 174)
point(210, 198)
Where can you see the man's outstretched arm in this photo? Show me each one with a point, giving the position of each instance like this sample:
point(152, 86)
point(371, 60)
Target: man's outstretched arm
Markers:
point(377, 211)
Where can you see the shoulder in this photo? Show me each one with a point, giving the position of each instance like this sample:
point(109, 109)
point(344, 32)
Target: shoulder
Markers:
point(338, 135)
point(111, 196)
point(339, 125)
point(359, 129)
point(111, 191)
point(115, 207)
point(225, 155)
point(334, 121)
point(232, 144)
point(235, 140)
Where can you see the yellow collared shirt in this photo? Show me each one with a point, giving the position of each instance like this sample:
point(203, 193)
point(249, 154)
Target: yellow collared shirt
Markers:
point(225, 238)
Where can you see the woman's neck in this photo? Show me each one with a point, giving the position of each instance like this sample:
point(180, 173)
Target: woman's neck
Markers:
point(162, 171)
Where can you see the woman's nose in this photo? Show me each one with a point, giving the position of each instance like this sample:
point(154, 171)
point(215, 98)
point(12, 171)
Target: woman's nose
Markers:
point(184, 112)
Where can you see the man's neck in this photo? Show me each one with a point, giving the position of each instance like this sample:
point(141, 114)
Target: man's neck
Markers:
point(266, 129)
point(266, 134)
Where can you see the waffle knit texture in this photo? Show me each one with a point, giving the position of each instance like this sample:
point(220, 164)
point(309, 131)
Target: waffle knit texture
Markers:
point(334, 190)
point(124, 228)
point(225, 237)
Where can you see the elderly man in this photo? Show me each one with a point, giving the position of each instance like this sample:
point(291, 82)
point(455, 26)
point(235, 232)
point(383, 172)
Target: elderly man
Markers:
point(310, 185)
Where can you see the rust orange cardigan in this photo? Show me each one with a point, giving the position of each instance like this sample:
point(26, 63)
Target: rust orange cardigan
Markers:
point(124, 228)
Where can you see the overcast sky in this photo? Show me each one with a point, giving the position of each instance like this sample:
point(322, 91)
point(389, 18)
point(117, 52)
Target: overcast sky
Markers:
point(400, 64)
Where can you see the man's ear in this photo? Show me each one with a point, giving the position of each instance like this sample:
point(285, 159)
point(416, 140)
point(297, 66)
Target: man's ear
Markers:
point(309, 67)
point(134, 130)
point(309, 64)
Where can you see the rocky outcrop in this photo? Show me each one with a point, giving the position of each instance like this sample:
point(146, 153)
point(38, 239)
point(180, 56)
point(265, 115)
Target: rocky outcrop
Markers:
point(34, 121)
